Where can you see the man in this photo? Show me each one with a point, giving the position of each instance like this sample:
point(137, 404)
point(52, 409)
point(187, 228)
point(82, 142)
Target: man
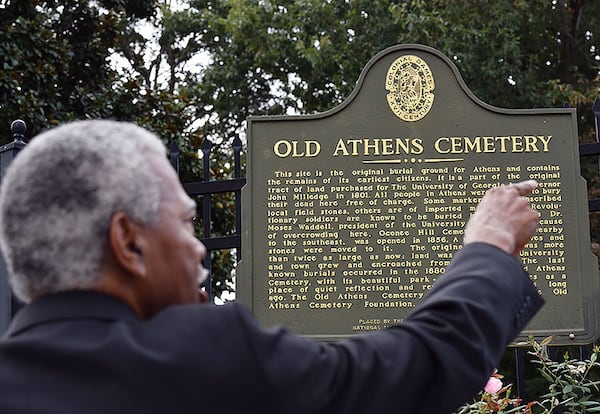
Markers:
point(99, 238)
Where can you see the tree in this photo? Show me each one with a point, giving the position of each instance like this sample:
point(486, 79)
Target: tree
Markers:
point(54, 58)
point(305, 55)
point(56, 65)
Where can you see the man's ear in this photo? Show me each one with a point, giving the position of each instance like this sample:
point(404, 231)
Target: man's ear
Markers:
point(126, 242)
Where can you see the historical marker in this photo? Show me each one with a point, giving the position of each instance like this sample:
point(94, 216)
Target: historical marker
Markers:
point(351, 215)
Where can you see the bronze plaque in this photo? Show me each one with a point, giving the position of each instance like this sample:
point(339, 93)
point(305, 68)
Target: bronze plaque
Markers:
point(351, 215)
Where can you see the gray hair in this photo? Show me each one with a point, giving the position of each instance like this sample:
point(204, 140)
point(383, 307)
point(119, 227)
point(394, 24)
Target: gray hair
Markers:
point(59, 195)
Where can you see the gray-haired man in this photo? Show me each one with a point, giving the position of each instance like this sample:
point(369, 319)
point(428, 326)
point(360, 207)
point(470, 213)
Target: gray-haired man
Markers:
point(99, 239)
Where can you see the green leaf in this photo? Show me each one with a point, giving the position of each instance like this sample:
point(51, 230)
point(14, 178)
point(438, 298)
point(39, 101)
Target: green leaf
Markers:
point(546, 341)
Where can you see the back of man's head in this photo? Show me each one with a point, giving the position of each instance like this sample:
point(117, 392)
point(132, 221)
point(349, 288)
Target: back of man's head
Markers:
point(59, 194)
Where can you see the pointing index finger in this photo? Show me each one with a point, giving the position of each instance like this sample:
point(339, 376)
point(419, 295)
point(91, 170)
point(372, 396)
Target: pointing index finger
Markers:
point(524, 187)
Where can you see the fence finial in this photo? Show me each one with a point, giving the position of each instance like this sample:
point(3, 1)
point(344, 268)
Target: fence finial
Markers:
point(18, 127)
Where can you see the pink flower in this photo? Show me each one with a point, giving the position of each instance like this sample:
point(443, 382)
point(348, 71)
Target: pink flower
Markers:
point(493, 385)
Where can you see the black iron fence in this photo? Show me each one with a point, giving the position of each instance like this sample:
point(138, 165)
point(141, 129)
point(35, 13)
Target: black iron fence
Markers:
point(207, 188)
point(8, 304)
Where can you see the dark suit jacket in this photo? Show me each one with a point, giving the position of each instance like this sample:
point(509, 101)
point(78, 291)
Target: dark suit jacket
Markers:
point(82, 352)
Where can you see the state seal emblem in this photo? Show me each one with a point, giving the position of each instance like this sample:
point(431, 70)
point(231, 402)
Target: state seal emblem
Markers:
point(409, 83)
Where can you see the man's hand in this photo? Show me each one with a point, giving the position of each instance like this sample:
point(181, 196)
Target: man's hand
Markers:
point(504, 218)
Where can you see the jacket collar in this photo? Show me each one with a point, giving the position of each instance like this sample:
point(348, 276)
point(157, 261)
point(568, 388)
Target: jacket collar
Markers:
point(70, 305)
